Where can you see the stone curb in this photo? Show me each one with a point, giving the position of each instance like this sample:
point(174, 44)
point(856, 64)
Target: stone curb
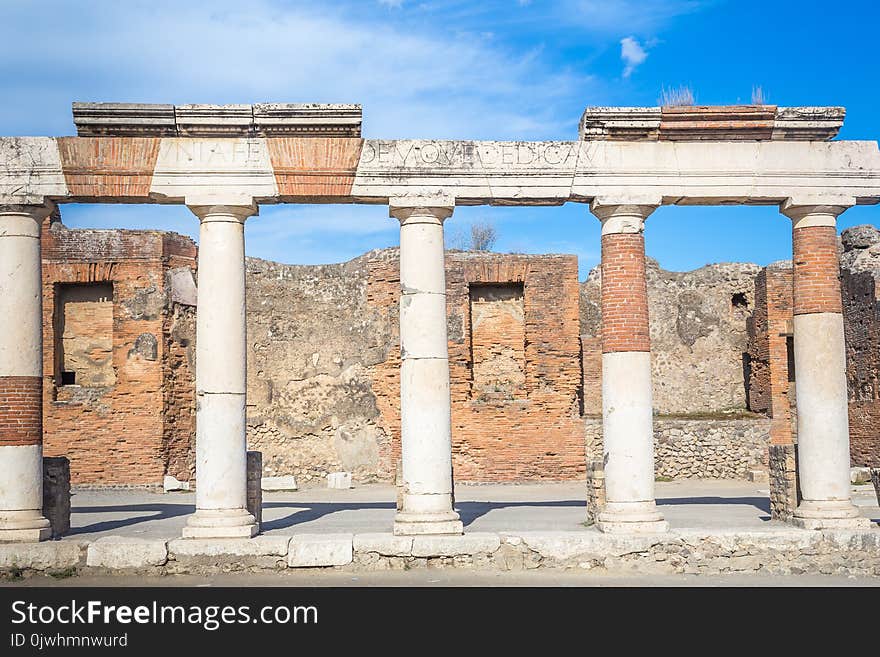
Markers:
point(775, 549)
point(118, 552)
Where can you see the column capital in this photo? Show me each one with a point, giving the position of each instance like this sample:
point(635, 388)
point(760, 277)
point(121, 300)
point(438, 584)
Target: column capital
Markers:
point(623, 215)
point(224, 212)
point(37, 212)
point(435, 208)
point(808, 211)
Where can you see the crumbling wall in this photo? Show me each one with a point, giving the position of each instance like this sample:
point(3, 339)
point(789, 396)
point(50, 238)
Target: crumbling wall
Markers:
point(698, 336)
point(111, 426)
point(312, 338)
point(860, 258)
point(527, 427)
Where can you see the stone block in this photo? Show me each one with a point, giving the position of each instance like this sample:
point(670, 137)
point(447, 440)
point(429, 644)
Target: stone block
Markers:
point(758, 476)
point(285, 482)
point(56, 493)
point(172, 484)
point(42, 556)
point(319, 550)
point(254, 485)
point(340, 480)
point(859, 475)
point(451, 546)
point(259, 546)
point(387, 545)
point(117, 552)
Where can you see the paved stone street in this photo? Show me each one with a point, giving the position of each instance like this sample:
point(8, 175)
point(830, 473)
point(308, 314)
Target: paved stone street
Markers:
point(486, 508)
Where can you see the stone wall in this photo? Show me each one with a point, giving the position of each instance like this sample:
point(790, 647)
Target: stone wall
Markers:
point(109, 421)
point(314, 333)
point(323, 367)
point(698, 336)
point(699, 449)
point(861, 308)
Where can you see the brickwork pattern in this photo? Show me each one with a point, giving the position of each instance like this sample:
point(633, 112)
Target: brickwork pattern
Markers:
point(769, 388)
point(816, 270)
point(20, 417)
point(112, 434)
point(535, 435)
point(624, 294)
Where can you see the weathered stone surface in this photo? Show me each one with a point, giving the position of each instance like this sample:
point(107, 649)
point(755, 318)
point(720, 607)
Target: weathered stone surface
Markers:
point(171, 484)
point(317, 550)
point(254, 485)
point(384, 544)
point(340, 480)
point(450, 546)
point(49, 555)
point(258, 546)
point(286, 482)
point(698, 336)
point(116, 552)
point(56, 493)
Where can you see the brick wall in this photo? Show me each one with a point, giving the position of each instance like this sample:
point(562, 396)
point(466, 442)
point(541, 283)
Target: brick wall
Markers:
point(771, 389)
point(531, 431)
point(112, 429)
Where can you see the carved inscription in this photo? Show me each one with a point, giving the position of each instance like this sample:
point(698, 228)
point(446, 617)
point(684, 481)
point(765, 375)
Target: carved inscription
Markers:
point(415, 154)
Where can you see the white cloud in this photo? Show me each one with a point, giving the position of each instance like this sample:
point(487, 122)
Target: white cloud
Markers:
point(632, 53)
point(394, 4)
point(413, 80)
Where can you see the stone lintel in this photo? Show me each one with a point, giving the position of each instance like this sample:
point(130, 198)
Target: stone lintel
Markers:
point(194, 120)
point(711, 123)
point(124, 120)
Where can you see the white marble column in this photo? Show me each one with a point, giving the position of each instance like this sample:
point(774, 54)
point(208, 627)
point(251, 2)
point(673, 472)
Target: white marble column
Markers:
point(221, 381)
point(820, 371)
point(627, 405)
point(21, 375)
point(425, 411)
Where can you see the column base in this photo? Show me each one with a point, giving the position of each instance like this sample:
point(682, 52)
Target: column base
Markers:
point(420, 524)
point(25, 535)
point(221, 523)
point(829, 514)
point(631, 518)
point(24, 527)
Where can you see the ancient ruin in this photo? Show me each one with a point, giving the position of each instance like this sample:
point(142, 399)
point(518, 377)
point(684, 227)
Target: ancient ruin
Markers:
point(500, 367)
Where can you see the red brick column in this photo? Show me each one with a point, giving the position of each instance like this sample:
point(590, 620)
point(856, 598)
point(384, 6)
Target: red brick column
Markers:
point(820, 370)
point(21, 362)
point(627, 414)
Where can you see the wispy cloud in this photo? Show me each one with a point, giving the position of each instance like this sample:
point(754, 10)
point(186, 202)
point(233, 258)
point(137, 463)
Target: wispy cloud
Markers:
point(632, 53)
point(413, 79)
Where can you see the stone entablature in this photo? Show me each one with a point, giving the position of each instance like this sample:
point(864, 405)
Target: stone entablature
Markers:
point(709, 122)
point(338, 169)
point(258, 120)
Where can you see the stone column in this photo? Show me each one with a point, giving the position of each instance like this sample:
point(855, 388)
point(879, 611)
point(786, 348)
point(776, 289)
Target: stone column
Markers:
point(820, 370)
point(21, 376)
point(221, 382)
point(627, 409)
point(425, 411)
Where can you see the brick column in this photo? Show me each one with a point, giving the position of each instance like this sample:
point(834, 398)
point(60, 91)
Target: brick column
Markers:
point(425, 411)
point(820, 371)
point(221, 381)
point(627, 413)
point(21, 376)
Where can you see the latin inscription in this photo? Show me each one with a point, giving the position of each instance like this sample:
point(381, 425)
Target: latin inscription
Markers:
point(468, 154)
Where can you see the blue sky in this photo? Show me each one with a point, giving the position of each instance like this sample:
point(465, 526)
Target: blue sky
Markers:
point(496, 69)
